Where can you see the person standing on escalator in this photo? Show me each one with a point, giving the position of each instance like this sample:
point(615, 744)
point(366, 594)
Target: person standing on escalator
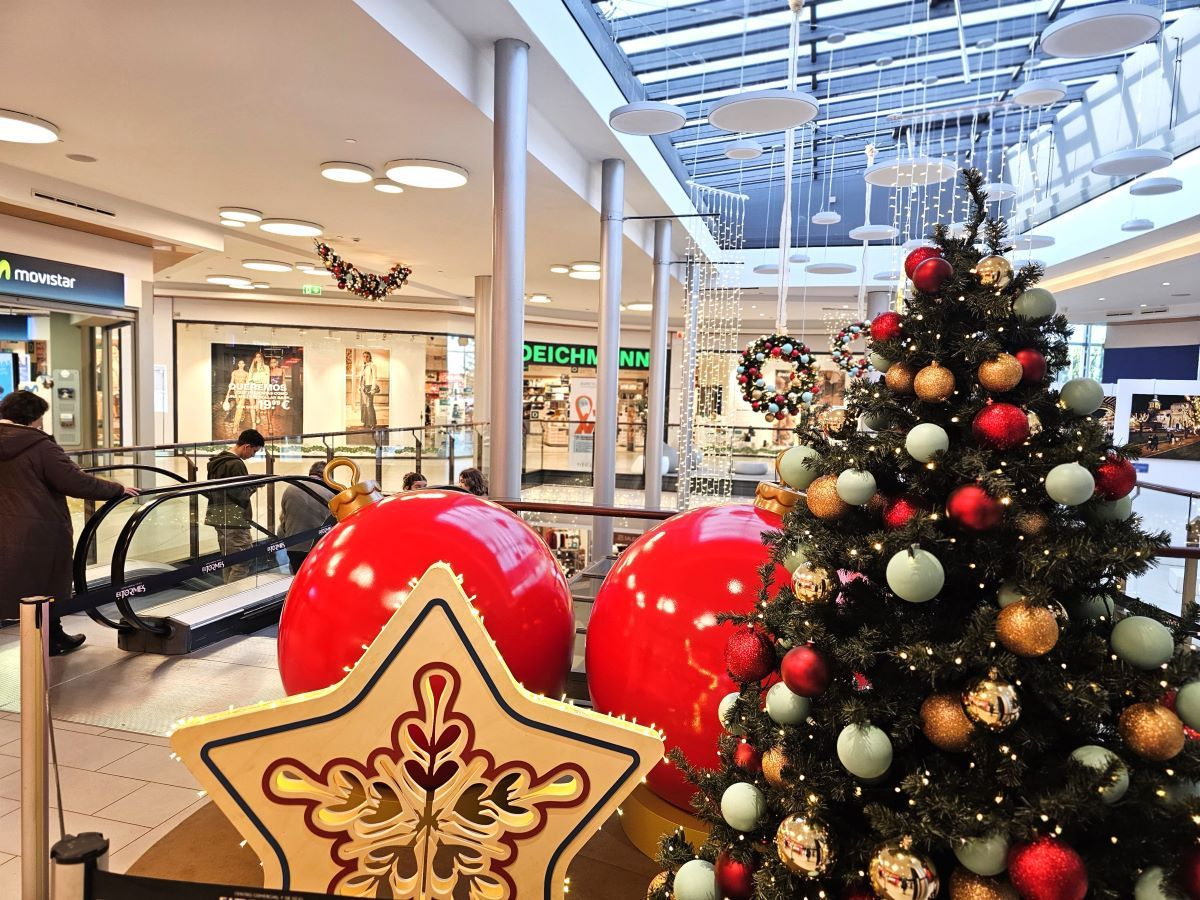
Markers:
point(229, 509)
point(36, 477)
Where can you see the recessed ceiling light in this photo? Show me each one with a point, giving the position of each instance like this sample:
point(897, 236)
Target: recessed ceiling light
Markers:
point(584, 275)
point(291, 227)
point(21, 128)
point(262, 285)
point(1102, 299)
point(426, 173)
point(585, 266)
point(351, 141)
point(387, 186)
point(560, 269)
point(640, 307)
point(1166, 284)
point(81, 157)
point(538, 298)
point(233, 223)
point(266, 265)
point(240, 214)
point(348, 172)
point(229, 280)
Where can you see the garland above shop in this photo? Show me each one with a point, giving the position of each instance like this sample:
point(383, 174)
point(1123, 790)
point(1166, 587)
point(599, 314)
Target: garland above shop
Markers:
point(364, 284)
point(773, 401)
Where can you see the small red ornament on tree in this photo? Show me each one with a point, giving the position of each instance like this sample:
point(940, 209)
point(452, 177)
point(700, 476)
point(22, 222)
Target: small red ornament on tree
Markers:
point(1168, 701)
point(886, 326)
point(974, 508)
point(749, 655)
point(900, 511)
point(1115, 478)
point(918, 256)
point(858, 892)
point(805, 671)
point(931, 275)
point(735, 880)
point(1047, 869)
point(748, 759)
point(1000, 426)
point(1189, 875)
point(1033, 364)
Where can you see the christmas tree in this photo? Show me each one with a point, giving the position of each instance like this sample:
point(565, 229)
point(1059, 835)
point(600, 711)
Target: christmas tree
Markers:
point(955, 697)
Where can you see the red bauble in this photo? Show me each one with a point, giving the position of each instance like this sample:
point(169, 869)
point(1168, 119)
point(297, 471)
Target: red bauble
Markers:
point(805, 671)
point(1168, 700)
point(1189, 875)
point(735, 880)
point(358, 574)
point(1033, 364)
point(748, 759)
point(1047, 869)
point(1115, 478)
point(858, 892)
point(900, 511)
point(1000, 426)
point(974, 508)
point(749, 655)
point(918, 256)
point(654, 648)
point(886, 326)
point(930, 275)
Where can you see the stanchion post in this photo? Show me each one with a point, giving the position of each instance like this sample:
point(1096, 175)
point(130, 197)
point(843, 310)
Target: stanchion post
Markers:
point(35, 796)
point(74, 861)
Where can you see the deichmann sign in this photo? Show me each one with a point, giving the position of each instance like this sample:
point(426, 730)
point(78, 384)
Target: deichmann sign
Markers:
point(538, 353)
point(45, 279)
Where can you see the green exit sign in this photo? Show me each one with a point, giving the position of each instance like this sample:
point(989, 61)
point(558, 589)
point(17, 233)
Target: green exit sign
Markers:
point(311, 289)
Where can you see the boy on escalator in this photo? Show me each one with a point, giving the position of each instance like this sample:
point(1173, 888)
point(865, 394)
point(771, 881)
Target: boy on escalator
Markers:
point(229, 509)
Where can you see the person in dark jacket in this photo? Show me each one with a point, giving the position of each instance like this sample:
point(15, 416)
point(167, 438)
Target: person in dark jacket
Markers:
point(36, 477)
point(301, 511)
point(229, 510)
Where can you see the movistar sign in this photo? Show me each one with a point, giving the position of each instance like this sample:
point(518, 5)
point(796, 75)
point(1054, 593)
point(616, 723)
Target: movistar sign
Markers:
point(46, 279)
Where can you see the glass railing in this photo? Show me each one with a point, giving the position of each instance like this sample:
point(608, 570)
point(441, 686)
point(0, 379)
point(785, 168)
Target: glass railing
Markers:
point(1171, 584)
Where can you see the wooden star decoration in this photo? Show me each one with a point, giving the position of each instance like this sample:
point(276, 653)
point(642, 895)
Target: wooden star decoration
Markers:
point(427, 772)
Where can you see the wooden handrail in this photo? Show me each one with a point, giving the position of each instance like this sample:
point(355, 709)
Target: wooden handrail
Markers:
point(1179, 492)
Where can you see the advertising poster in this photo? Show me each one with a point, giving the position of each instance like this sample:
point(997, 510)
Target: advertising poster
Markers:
point(581, 423)
point(8, 373)
point(1165, 426)
point(257, 386)
point(367, 375)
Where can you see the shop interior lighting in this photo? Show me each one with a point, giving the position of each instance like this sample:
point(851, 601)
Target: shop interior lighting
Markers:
point(347, 172)
point(266, 265)
point(233, 223)
point(240, 214)
point(426, 173)
point(22, 128)
point(560, 269)
point(584, 275)
point(260, 285)
point(640, 306)
point(229, 280)
point(387, 186)
point(291, 227)
point(538, 298)
point(585, 266)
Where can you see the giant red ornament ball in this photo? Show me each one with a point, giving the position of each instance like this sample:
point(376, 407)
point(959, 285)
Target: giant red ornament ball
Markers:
point(734, 879)
point(918, 256)
point(1000, 426)
point(974, 508)
point(746, 758)
point(1033, 365)
point(886, 326)
point(358, 574)
point(900, 511)
point(749, 655)
point(805, 671)
point(1047, 869)
point(654, 648)
point(931, 275)
point(1115, 478)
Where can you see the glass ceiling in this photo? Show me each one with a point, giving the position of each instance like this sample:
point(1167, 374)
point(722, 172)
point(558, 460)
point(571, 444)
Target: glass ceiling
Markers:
point(882, 72)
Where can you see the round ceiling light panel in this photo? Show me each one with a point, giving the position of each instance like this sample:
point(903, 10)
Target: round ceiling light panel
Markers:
point(291, 227)
point(387, 186)
point(260, 285)
point(640, 306)
point(912, 172)
point(233, 223)
point(830, 268)
point(799, 258)
point(426, 173)
point(1137, 225)
point(583, 275)
point(539, 298)
point(585, 266)
point(1132, 162)
point(1032, 242)
point(22, 128)
point(744, 150)
point(229, 280)
point(1153, 187)
point(770, 110)
point(891, 275)
point(560, 269)
point(826, 217)
point(1101, 31)
point(347, 172)
point(999, 190)
point(266, 265)
point(240, 214)
point(1039, 92)
point(766, 269)
point(646, 117)
point(869, 232)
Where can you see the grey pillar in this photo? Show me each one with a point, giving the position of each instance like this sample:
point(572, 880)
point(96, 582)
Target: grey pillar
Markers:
point(878, 302)
point(656, 407)
point(687, 397)
point(604, 453)
point(144, 432)
point(483, 347)
point(510, 139)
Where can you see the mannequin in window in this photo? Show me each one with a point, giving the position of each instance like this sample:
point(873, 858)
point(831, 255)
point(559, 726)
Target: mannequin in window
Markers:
point(368, 387)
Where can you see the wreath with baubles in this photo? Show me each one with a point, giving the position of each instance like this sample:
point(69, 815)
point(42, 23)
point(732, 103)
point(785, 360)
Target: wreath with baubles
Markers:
point(802, 381)
point(364, 284)
point(844, 357)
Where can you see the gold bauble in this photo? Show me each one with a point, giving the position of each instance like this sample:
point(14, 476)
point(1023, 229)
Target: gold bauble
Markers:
point(966, 885)
point(823, 499)
point(934, 383)
point(897, 873)
point(803, 846)
point(657, 884)
point(1152, 731)
point(994, 271)
point(811, 585)
point(1001, 374)
point(773, 762)
point(900, 377)
point(945, 724)
point(1031, 522)
point(1027, 630)
point(992, 703)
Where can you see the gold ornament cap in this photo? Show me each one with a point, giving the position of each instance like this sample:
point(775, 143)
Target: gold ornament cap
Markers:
point(353, 497)
point(775, 498)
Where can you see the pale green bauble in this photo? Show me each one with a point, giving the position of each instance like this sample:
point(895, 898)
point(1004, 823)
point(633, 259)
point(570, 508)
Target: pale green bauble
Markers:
point(926, 439)
point(1149, 885)
point(869, 422)
point(743, 806)
point(1082, 396)
point(785, 707)
point(1114, 510)
point(1092, 608)
point(856, 486)
point(696, 880)
point(795, 560)
point(799, 467)
point(881, 363)
point(1008, 595)
point(1070, 484)
point(1035, 303)
point(1100, 758)
point(1143, 642)
point(915, 575)
point(864, 751)
point(725, 710)
point(986, 855)
point(1187, 704)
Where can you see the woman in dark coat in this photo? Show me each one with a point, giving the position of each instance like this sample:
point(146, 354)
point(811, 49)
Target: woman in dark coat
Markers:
point(36, 546)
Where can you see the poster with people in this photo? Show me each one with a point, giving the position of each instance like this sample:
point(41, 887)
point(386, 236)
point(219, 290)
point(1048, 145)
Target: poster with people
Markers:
point(1165, 426)
point(257, 386)
point(367, 376)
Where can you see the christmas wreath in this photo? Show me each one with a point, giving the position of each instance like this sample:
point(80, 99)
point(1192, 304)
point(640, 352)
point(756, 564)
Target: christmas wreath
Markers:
point(843, 356)
point(802, 379)
point(364, 284)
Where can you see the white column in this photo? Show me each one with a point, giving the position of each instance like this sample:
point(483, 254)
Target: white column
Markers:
point(878, 302)
point(604, 454)
point(483, 347)
point(656, 406)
